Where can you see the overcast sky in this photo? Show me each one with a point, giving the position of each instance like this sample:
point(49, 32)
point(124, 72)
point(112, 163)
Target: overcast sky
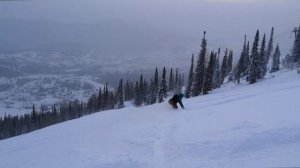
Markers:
point(181, 12)
point(224, 20)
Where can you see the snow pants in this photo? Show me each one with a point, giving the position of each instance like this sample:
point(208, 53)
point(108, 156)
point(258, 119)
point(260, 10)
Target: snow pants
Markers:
point(173, 103)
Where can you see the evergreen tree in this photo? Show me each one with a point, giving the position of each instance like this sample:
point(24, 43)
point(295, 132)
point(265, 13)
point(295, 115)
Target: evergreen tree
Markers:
point(128, 91)
point(254, 64)
point(180, 84)
point(182, 80)
point(217, 73)
point(145, 91)
point(111, 100)
point(209, 75)
point(247, 59)
point(242, 64)
point(120, 94)
point(105, 97)
point(296, 48)
point(237, 72)
point(224, 66)
point(229, 62)
point(276, 60)
point(163, 92)
point(200, 69)
point(171, 80)
point(244, 59)
point(99, 100)
point(176, 78)
point(137, 97)
point(153, 93)
point(262, 58)
point(288, 61)
point(269, 52)
point(142, 90)
point(156, 84)
point(188, 93)
point(34, 116)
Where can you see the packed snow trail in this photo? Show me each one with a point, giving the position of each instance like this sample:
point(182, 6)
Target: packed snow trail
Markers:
point(236, 126)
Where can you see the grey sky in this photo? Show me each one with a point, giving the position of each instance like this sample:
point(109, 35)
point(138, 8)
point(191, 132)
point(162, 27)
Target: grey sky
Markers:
point(93, 10)
point(226, 21)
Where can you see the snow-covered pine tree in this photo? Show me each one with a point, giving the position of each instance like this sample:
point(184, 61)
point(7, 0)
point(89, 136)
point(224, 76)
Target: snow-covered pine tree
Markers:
point(99, 99)
point(200, 69)
point(180, 84)
point(150, 88)
point(128, 91)
point(153, 93)
point(242, 65)
point(54, 110)
point(156, 83)
point(244, 60)
point(137, 96)
point(224, 66)
point(269, 52)
point(188, 92)
point(229, 62)
point(182, 80)
point(34, 115)
point(163, 92)
point(262, 57)
point(247, 61)
point(145, 91)
point(254, 62)
point(142, 89)
point(230, 66)
point(91, 106)
point(209, 75)
point(171, 80)
point(217, 73)
point(120, 95)
point(296, 48)
point(288, 61)
point(176, 78)
point(236, 72)
point(276, 60)
point(111, 101)
point(105, 97)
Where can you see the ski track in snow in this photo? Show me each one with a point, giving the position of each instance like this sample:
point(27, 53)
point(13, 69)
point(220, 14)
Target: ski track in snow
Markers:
point(243, 126)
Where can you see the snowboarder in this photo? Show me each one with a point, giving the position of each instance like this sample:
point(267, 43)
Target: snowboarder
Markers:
point(176, 99)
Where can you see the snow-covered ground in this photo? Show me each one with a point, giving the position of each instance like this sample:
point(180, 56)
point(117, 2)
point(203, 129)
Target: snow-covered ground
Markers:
point(19, 94)
point(236, 126)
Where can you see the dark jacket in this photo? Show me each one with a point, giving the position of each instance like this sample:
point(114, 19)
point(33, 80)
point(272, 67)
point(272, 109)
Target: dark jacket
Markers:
point(178, 99)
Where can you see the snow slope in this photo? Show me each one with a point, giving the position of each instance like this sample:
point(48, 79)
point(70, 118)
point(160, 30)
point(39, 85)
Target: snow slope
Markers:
point(236, 126)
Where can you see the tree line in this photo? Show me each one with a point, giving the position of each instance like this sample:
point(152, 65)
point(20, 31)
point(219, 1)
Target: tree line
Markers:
point(252, 65)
